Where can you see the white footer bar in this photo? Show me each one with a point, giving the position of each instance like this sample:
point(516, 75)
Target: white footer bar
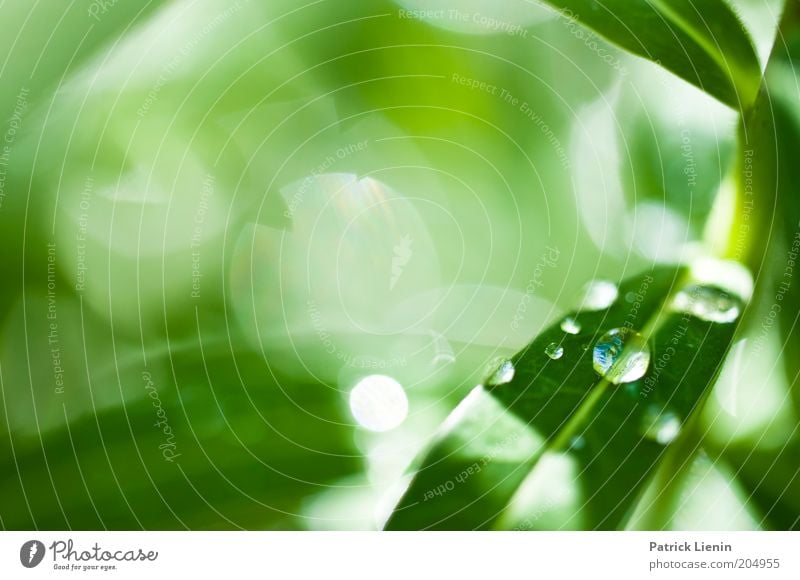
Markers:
point(414, 556)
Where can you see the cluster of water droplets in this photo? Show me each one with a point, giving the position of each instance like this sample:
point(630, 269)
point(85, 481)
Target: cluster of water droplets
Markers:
point(596, 295)
point(622, 355)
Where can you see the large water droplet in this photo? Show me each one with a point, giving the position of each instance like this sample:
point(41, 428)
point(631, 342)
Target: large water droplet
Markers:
point(504, 374)
point(707, 303)
point(570, 325)
point(661, 426)
point(621, 355)
point(378, 403)
point(598, 295)
point(554, 350)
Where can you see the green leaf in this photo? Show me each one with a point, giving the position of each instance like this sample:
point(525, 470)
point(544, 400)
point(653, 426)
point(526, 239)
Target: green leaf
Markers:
point(703, 494)
point(772, 479)
point(767, 230)
point(701, 41)
point(559, 446)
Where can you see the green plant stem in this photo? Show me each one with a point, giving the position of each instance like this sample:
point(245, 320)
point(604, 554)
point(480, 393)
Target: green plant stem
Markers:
point(747, 240)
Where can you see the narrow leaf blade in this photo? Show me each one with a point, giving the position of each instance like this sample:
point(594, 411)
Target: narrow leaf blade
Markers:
point(702, 41)
point(558, 415)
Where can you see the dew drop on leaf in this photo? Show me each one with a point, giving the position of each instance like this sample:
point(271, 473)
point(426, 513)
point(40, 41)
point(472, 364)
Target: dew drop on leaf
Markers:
point(707, 303)
point(577, 443)
point(621, 355)
point(570, 325)
point(598, 295)
point(661, 426)
point(504, 374)
point(554, 350)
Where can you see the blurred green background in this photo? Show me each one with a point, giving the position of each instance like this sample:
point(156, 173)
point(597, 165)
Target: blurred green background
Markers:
point(218, 218)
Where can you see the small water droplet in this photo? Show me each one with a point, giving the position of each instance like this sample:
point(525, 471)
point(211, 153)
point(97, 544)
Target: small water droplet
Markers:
point(504, 374)
point(621, 355)
point(661, 426)
point(554, 350)
point(707, 303)
point(577, 443)
point(570, 325)
point(598, 295)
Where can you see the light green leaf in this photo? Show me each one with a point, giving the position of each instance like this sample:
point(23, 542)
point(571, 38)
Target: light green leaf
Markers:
point(43, 42)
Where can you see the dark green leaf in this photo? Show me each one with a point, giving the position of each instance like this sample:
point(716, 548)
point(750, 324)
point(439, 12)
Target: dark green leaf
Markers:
point(701, 41)
point(558, 426)
point(246, 451)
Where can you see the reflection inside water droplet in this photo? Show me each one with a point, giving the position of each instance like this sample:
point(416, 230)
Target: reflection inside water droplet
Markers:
point(504, 374)
point(661, 426)
point(598, 295)
point(554, 350)
point(707, 303)
point(621, 355)
point(570, 325)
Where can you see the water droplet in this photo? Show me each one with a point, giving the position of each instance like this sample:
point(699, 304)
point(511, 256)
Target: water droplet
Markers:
point(504, 374)
point(554, 350)
point(707, 303)
point(378, 403)
point(577, 443)
point(570, 325)
point(730, 276)
point(598, 295)
point(621, 355)
point(661, 426)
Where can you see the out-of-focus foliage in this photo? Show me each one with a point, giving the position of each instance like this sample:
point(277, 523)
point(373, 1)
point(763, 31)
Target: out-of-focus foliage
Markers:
point(220, 216)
